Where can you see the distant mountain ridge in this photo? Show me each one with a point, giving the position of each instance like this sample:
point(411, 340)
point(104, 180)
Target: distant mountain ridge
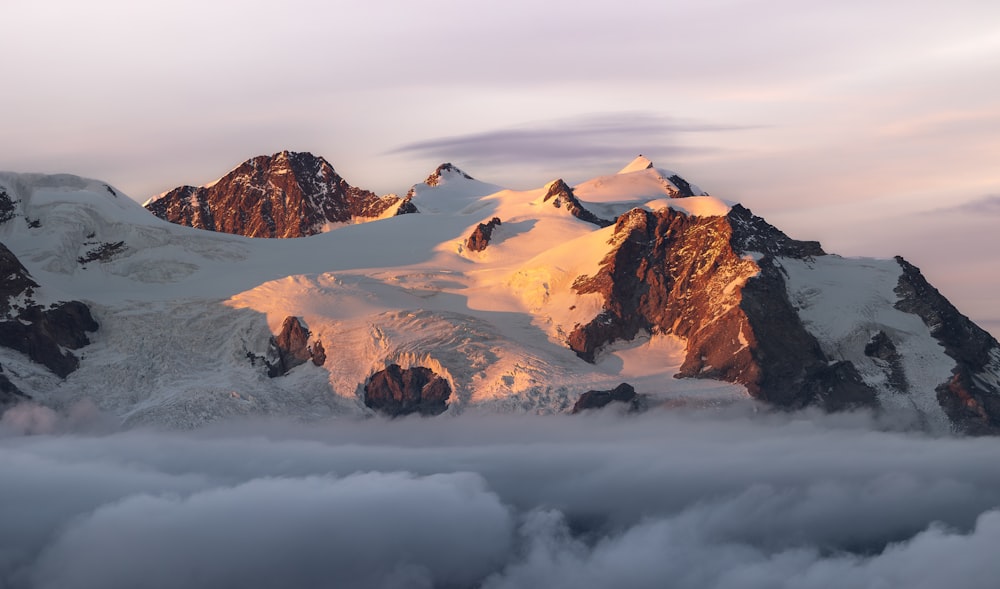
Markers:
point(288, 194)
point(490, 299)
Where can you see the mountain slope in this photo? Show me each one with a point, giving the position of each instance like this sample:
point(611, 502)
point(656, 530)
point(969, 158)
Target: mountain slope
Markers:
point(689, 299)
point(287, 194)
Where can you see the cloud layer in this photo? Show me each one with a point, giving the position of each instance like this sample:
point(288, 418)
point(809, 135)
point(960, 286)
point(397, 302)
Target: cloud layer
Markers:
point(679, 499)
point(582, 140)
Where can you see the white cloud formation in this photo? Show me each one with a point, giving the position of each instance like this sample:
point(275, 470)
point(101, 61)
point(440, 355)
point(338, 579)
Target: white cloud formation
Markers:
point(689, 499)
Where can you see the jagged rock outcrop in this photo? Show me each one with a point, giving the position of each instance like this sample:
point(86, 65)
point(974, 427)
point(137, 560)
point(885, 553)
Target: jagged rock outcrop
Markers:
point(44, 335)
point(318, 353)
point(291, 347)
point(690, 276)
point(396, 391)
point(287, 194)
point(102, 252)
point(561, 195)
point(623, 393)
point(884, 351)
point(971, 397)
point(481, 235)
point(14, 280)
point(7, 209)
point(684, 188)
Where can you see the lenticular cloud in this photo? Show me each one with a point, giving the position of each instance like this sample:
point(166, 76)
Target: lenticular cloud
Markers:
point(666, 499)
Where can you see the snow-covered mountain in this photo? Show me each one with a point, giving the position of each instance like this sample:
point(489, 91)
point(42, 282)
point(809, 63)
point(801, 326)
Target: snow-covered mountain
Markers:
point(287, 194)
point(486, 300)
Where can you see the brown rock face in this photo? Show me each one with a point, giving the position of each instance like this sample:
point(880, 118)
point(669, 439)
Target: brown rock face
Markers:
point(293, 341)
point(562, 195)
point(287, 194)
point(623, 393)
point(480, 237)
point(291, 346)
point(690, 276)
point(971, 402)
point(318, 354)
point(395, 391)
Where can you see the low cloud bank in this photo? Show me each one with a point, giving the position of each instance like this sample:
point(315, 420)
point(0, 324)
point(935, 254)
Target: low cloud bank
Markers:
point(702, 499)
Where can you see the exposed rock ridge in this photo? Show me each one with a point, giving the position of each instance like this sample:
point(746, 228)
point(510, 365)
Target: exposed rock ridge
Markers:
point(481, 235)
point(971, 397)
point(668, 272)
point(291, 348)
point(684, 188)
point(623, 393)
point(562, 195)
point(7, 209)
point(14, 281)
point(396, 391)
point(446, 168)
point(753, 234)
point(287, 194)
point(44, 335)
point(881, 349)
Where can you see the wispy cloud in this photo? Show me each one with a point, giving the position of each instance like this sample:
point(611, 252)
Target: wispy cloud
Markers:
point(594, 137)
point(988, 205)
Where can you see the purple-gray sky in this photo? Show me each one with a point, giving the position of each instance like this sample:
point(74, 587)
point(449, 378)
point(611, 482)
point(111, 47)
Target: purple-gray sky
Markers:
point(845, 122)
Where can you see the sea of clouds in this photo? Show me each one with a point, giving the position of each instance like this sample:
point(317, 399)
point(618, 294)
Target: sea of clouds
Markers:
point(729, 498)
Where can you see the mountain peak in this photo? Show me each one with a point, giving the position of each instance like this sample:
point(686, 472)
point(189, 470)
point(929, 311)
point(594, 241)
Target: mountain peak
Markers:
point(443, 172)
point(638, 164)
point(291, 160)
point(286, 194)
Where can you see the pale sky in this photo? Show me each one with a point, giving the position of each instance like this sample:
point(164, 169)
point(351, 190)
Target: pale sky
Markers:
point(873, 127)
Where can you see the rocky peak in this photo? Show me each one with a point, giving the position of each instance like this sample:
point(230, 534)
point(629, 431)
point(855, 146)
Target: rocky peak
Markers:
point(561, 195)
point(674, 185)
point(443, 172)
point(287, 194)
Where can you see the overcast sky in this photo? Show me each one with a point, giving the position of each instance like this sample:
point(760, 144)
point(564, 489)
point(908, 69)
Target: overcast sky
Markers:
point(873, 127)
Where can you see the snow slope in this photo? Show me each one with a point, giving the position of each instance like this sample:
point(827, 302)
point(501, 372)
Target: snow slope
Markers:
point(829, 288)
point(181, 310)
point(186, 315)
point(640, 184)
